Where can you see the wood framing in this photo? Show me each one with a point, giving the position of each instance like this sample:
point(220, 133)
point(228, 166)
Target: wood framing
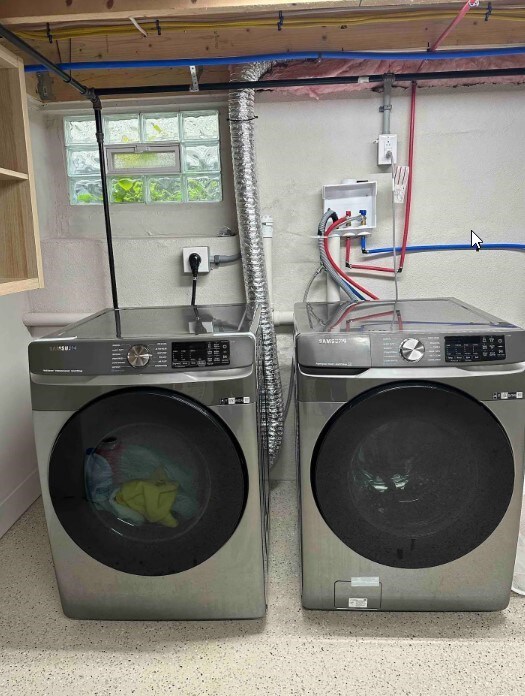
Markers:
point(388, 26)
point(20, 257)
point(20, 12)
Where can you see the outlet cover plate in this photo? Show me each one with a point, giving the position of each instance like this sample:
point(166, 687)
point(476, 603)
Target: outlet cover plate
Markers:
point(387, 143)
point(203, 252)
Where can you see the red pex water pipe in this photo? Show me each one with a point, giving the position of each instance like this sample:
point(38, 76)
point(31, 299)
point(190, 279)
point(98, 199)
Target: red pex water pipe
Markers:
point(360, 266)
point(363, 267)
point(466, 7)
point(339, 270)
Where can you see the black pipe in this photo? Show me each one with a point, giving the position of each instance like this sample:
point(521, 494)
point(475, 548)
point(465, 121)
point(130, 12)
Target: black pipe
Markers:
point(36, 55)
point(97, 108)
point(312, 82)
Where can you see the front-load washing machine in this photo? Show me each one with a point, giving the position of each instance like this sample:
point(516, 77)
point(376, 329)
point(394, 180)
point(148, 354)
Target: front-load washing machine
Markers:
point(153, 462)
point(411, 423)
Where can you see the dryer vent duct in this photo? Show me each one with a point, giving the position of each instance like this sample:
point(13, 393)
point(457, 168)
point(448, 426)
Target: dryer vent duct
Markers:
point(242, 114)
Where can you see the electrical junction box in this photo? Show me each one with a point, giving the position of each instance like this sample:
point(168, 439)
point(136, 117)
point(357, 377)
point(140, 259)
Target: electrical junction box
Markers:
point(203, 252)
point(353, 195)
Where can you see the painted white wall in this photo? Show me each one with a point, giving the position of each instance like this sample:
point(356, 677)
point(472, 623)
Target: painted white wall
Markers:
point(19, 485)
point(469, 157)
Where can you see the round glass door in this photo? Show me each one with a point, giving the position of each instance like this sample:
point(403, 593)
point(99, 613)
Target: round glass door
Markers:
point(413, 475)
point(147, 481)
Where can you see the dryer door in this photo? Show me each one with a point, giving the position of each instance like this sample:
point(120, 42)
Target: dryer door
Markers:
point(148, 481)
point(413, 475)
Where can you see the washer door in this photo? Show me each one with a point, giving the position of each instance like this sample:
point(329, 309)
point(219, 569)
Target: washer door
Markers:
point(148, 481)
point(413, 475)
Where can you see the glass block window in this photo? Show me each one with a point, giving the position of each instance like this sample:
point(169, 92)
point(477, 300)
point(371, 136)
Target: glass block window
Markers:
point(151, 158)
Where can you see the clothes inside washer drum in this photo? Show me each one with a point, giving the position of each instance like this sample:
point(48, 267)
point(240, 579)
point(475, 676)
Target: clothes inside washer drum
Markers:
point(152, 499)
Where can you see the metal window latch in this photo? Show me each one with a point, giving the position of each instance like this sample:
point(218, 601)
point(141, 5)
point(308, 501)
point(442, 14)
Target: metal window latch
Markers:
point(194, 79)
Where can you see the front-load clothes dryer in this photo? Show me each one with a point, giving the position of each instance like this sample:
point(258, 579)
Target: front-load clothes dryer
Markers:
point(411, 420)
point(153, 463)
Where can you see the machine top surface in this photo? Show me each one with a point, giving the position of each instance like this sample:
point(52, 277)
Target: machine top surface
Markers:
point(423, 316)
point(150, 340)
point(407, 333)
point(141, 323)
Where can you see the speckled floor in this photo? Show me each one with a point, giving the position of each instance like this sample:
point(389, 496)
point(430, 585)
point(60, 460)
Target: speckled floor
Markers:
point(291, 652)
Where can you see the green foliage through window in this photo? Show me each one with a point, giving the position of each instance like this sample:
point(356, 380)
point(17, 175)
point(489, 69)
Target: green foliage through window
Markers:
point(165, 190)
point(126, 190)
point(198, 133)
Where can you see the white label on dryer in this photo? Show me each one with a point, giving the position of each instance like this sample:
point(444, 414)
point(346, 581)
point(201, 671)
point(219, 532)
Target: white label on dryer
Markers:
point(357, 602)
point(370, 581)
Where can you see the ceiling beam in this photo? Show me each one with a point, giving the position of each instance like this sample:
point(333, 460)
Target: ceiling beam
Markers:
point(21, 12)
point(61, 92)
point(244, 41)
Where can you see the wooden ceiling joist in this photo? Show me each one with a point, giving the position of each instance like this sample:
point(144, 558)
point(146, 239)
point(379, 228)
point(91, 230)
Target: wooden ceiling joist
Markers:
point(23, 12)
point(375, 30)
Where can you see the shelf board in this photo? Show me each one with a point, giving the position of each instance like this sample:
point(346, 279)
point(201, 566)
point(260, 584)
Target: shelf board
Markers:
point(9, 286)
point(10, 175)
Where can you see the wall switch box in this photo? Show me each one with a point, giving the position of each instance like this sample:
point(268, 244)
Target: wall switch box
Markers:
point(385, 144)
point(203, 252)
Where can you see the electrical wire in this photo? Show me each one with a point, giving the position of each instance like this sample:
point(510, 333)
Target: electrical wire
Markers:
point(394, 255)
point(293, 20)
point(193, 291)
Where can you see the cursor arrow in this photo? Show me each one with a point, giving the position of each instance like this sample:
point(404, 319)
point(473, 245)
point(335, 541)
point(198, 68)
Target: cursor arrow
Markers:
point(475, 241)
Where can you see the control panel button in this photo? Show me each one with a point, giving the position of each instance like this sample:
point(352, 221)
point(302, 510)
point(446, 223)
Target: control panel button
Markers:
point(474, 348)
point(186, 354)
point(412, 350)
point(138, 356)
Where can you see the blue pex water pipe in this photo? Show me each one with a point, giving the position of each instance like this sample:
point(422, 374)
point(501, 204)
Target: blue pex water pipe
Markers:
point(354, 291)
point(301, 55)
point(512, 246)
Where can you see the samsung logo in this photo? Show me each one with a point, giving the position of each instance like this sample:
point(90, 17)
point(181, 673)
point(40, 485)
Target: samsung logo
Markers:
point(332, 340)
point(62, 348)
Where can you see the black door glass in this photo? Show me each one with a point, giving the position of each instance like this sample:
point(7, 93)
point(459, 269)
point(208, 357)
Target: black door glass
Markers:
point(413, 475)
point(148, 481)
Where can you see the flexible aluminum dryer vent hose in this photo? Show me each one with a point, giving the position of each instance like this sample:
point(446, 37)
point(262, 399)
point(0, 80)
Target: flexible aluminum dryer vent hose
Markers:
point(241, 114)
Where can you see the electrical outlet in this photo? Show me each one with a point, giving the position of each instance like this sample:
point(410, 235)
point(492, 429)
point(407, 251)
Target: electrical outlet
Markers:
point(203, 252)
point(385, 144)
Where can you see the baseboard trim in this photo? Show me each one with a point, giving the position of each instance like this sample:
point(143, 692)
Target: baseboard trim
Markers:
point(17, 502)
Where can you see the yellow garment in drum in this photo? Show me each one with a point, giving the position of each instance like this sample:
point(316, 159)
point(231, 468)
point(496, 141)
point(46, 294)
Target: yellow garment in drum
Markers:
point(153, 499)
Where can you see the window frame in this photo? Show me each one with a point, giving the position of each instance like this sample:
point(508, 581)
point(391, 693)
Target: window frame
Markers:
point(140, 148)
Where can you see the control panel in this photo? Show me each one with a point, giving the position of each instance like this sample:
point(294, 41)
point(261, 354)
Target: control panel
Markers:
point(141, 356)
point(137, 356)
point(200, 354)
point(474, 348)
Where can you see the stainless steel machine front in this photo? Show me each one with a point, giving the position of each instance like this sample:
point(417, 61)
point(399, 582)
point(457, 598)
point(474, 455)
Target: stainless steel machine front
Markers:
point(153, 462)
point(411, 420)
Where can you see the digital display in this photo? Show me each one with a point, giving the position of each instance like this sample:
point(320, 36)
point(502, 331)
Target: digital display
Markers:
point(200, 354)
point(474, 348)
